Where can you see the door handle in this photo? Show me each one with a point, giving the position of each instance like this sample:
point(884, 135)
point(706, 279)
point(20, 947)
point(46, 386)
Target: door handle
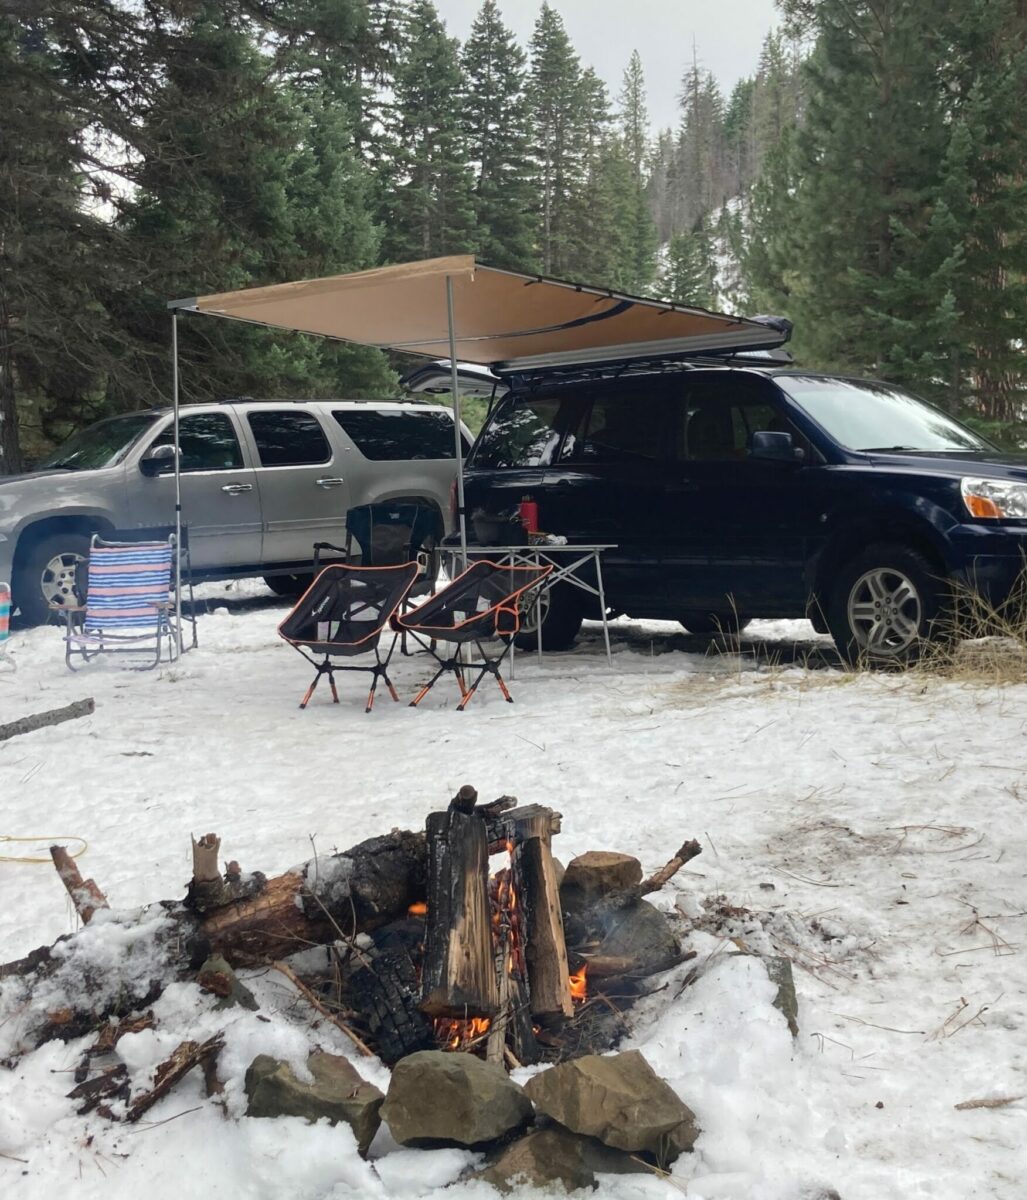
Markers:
point(233, 489)
point(329, 481)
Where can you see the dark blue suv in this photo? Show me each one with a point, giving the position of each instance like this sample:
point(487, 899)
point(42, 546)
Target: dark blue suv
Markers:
point(735, 492)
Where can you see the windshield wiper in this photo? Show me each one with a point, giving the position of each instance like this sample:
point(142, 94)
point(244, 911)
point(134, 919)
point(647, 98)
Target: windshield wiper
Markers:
point(887, 449)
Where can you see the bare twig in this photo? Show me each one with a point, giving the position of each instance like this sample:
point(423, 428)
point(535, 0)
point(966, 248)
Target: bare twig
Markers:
point(995, 1102)
point(314, 1002)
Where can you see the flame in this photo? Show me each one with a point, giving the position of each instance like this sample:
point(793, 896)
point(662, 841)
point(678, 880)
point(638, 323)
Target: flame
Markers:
point(420, 909)
point(579, 989)
point(454, 1033)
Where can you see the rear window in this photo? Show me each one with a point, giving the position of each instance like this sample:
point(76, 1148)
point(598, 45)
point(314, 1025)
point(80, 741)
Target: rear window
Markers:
point(289, 439)
point(392, 434)
point(523, 434)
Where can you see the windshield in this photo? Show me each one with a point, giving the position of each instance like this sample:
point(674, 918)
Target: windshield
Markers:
point(102, 445)
point(876, 416)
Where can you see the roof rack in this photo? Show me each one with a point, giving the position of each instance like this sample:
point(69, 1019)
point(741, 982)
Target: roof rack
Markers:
point(314, 400)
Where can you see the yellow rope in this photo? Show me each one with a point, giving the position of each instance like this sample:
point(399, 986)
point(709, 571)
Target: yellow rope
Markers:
point(49, 840)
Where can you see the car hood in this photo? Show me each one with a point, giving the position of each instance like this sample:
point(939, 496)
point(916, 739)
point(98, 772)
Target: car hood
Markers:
point(995, 464)
point(28, 476)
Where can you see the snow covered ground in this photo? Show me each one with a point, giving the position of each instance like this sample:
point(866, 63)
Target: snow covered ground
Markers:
point(873, 828)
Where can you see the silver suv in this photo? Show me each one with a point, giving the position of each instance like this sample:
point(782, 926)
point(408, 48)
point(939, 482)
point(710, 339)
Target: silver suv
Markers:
point(261, 482)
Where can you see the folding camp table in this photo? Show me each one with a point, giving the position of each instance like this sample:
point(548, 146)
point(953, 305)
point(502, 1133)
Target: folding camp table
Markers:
point(566, 561)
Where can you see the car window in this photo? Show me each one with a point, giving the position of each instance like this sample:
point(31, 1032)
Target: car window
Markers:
point(288, 438)
point(523, 433)
point(619, 427)
point(102, 445)
point(207, 440)
point(719, 423)
point(391, 434)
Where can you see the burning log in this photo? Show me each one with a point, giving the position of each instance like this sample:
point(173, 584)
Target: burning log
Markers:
point(458, 975)
point(545, 948)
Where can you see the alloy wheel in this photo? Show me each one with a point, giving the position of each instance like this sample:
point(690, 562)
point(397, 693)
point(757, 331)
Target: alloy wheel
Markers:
point(59, 578)
point(885, 612)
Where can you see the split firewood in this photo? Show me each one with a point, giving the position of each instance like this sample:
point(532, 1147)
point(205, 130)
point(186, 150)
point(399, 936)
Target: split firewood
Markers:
point(181, 1062)
point(663, 876)
point(55, 716)
point(84, 893)
point(458, 977)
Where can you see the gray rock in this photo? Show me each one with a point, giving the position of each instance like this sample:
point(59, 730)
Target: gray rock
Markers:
point(338, 1093)
point(555, 1155)
point(598, 873)
point(451, 1099)
point(786, 1001)
point(618, 1099)
point(217, 976)
point(641, 932)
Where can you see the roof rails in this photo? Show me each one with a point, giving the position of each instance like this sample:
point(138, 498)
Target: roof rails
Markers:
point(314, 400)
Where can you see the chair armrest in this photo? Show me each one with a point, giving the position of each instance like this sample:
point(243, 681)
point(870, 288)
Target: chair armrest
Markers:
point(67, 608)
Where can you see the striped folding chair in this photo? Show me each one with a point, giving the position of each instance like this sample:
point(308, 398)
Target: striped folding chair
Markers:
point(5, 623)
point(128, 603)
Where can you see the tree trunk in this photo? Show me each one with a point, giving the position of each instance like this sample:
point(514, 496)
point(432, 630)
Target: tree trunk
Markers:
point(10, 444)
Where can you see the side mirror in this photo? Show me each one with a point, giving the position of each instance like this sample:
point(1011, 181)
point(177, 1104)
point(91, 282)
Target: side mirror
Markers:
point(157, 461)
point(774, 446)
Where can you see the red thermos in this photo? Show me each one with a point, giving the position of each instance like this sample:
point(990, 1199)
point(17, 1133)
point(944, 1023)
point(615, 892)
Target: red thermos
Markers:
point(528, 511)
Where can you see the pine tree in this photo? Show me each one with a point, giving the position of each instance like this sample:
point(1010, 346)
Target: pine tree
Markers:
point(984, 190)
point(690, 273)
point(498, 139)
point(57, 253)
point(555, 96)
point(872, 290)
point(640, 232)
point(429, 210)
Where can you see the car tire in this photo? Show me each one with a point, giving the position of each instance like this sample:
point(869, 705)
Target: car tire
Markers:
point(710, 624)
point(562, 615)
point(886, 606)
point(289, 585)
point(53, 571)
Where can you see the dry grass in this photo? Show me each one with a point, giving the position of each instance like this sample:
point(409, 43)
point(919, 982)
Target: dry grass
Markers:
point(980, 642)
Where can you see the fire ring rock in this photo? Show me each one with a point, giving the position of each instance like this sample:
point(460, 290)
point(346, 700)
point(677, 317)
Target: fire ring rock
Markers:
point(451, 1099)
point(618, 1099)
point(595, 874)
point(338, 1093)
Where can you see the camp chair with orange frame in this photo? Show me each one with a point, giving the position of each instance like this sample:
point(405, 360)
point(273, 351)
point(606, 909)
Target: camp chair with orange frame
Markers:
point(343, 614)
point(483, 603)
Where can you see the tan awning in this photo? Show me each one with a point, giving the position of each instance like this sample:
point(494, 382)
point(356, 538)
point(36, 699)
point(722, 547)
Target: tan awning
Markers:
point(502, 319)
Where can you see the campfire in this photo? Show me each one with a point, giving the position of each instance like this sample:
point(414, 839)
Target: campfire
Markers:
point(483, 962)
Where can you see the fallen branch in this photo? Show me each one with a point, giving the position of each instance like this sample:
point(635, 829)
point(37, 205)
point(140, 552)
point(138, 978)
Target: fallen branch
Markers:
point(328, 1015)
point(55, 716)
point(85, 895)
point(657, 880)
point(997, 1102)
point(182, 1060)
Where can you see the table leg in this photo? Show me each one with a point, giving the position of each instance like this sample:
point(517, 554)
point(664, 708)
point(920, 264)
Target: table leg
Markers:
point(602, 609)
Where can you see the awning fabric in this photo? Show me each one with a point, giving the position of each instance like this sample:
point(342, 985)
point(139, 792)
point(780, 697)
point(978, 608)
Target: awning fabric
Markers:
point(504, 320)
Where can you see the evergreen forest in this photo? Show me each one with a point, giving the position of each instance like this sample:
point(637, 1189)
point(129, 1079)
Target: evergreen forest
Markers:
point(866, 179)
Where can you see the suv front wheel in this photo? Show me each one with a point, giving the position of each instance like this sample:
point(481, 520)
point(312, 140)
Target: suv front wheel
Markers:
point(884, 605)
point(52, 574)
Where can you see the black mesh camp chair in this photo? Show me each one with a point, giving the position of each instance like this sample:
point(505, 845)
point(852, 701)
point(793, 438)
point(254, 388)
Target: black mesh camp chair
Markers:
point(343, 614)
point(384, 535)
point(483, 603)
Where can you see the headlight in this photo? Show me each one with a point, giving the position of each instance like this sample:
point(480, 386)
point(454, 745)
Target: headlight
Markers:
point(994, 498)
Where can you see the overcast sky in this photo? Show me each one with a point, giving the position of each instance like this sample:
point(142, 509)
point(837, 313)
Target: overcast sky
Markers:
point(727, 33)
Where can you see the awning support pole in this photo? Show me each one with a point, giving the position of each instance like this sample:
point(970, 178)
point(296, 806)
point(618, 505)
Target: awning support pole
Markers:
point(178, 485)
point(455, 387)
